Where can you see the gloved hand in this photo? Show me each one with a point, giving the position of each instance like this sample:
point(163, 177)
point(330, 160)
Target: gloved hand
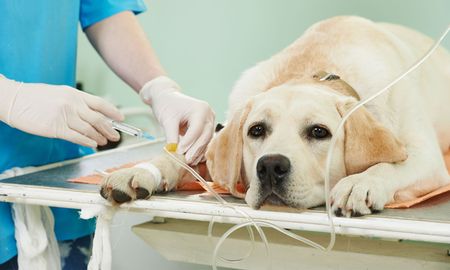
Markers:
point(175, 111)
point(57, 111)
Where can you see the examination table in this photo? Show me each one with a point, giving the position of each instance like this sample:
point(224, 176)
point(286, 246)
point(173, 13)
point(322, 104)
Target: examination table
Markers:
point(414, 238)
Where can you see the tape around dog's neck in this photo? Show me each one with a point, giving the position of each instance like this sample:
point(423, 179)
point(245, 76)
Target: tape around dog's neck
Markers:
point(336, 83)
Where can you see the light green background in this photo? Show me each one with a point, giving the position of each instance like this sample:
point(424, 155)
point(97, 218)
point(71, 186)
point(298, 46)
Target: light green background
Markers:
point(206, 44)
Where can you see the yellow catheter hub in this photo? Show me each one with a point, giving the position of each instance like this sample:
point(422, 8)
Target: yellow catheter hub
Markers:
point(171, 147)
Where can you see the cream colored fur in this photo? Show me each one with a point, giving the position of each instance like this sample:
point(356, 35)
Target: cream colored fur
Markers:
point(390, 150)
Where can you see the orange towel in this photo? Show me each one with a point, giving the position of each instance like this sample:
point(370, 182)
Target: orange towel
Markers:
point(188, 182)
point(95, 179)
point(439, 191)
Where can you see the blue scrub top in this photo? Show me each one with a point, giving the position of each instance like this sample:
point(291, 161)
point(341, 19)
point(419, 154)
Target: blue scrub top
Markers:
point(38, 43)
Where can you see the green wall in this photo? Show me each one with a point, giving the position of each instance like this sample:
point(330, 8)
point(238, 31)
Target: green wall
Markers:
point(206, 44)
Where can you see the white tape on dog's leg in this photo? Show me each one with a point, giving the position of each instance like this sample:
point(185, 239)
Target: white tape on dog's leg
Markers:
point(152, 169)
point(101, 246)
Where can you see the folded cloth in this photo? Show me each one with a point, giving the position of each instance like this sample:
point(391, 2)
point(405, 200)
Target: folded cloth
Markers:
point(96, 178)
point(442, 190)
point(190, 183)
point(408, 204)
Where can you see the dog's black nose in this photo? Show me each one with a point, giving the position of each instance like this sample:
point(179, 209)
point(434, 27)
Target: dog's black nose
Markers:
point(273, 169)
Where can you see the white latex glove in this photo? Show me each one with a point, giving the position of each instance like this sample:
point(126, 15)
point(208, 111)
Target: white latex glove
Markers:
point(174, 110)
point(57, 111)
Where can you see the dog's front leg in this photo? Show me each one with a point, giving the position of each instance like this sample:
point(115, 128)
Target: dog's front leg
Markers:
point(142, 180)
point(368, 192)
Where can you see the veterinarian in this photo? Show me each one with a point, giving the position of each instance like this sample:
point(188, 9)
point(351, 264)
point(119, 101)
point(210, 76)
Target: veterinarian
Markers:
point(44, 119)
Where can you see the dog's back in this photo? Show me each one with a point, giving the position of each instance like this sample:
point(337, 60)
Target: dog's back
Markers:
point(367, 55)
point(433, 78)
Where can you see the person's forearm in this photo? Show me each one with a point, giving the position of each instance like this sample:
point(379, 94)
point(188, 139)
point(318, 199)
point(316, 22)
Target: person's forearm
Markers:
point(123, 45)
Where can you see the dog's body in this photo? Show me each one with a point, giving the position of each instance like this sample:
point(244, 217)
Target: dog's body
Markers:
point(283, 110)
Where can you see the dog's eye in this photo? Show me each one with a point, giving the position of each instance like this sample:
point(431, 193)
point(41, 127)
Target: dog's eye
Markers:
point(318, 132)
point(256, 131)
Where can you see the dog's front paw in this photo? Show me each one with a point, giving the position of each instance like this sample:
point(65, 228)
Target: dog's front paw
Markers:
point(358, 195)
point(129, 184)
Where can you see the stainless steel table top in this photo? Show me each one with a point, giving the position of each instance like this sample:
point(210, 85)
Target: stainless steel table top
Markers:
point(436, 209)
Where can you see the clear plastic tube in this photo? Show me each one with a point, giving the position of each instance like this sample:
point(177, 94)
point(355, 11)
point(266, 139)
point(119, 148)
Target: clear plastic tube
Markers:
point(226, 204)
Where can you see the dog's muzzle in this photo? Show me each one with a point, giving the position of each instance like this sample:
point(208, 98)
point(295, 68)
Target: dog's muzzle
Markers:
point(272, 170)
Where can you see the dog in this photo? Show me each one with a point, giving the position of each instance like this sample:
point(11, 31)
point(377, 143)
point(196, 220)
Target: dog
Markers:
point(283, 112)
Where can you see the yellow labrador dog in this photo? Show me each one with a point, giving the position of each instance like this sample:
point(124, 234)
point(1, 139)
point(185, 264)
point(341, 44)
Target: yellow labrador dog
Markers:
point(283, 111)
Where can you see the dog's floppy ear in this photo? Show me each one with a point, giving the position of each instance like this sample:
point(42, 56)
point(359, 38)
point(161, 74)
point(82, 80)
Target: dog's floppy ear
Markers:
point(224, 154)
point(367, 142)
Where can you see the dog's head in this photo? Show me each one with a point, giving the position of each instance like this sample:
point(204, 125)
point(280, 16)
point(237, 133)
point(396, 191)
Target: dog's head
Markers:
point(276, 145)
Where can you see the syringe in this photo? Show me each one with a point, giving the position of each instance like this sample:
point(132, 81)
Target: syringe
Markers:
point(131, 130)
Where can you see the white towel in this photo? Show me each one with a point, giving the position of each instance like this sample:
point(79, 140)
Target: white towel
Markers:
point(36, 242)
point(37, 247)
point(101, 247)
